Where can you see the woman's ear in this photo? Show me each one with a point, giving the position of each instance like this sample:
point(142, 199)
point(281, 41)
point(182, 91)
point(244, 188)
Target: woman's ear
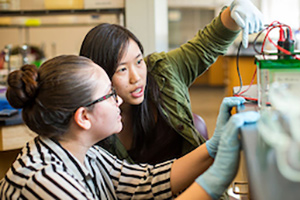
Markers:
point(82, 119)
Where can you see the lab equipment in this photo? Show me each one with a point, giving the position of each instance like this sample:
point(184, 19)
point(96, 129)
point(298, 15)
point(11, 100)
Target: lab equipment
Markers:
point(272, 70)
point(7, 52)
point(24, 52)
point(282, 66)
point(288, 45)
point(272, 148)
point(279, 129)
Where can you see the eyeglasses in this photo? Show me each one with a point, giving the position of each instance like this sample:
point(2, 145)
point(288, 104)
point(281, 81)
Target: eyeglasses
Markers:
point(113, 93)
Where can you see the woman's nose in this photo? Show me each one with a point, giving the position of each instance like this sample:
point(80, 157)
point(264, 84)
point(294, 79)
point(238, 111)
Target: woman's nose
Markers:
point(134, 76)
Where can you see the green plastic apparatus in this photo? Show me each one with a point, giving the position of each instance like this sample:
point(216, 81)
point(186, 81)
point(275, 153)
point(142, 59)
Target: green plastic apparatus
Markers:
point(271, 70)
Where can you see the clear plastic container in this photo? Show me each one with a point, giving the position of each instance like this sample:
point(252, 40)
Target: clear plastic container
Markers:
point(278, 129)
point(271, 70)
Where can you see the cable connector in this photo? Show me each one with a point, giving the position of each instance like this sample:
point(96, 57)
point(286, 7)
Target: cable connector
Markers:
point(280, 42)
point(289, 44)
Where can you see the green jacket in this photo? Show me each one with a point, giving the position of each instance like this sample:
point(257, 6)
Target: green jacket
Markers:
point(175, 71)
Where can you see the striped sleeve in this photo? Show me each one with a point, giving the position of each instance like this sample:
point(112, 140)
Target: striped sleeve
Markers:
point(139, 181)
point(50, 183)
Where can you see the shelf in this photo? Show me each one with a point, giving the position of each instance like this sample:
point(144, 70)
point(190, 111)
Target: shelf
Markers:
point(49, 25)
point(63, 18)
point(60, 12)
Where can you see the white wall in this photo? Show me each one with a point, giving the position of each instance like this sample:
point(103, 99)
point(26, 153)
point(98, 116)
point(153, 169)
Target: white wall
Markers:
point(148, 20)
point(285, 11)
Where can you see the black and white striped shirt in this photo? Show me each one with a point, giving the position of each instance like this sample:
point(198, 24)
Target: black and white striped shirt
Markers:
point(45, 170)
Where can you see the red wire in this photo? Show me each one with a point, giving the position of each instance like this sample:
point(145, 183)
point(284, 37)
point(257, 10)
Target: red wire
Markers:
point(267, 34)
point(274, 24)
point(282, 49)
point(254, 74)
point(252, 80)
point(246, 98)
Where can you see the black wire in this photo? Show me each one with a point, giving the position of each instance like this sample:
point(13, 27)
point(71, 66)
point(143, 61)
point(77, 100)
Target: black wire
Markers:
point(264, 29)
point(238, 69)
point(257, 36)
point(254, 42)
point(254, 47)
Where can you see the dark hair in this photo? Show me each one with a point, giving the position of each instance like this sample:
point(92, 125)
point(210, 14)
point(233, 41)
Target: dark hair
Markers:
point(50, 95)
point(105, 44)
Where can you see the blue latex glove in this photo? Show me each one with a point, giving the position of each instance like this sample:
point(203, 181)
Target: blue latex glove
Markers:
point(247, 16)
point(224, 115)
point(218, 177)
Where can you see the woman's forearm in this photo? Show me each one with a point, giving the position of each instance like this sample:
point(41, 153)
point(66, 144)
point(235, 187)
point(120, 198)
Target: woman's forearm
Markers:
point(186, 169)
point(195, 191)
point(227, 21)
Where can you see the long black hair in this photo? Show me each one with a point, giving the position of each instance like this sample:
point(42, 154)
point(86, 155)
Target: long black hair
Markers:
point(105, 44)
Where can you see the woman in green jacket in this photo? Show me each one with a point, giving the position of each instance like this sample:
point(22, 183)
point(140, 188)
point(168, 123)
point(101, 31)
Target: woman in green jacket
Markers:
point(156, 113)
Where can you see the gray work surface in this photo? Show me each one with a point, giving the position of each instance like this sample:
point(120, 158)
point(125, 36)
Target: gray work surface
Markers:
point(265, 180)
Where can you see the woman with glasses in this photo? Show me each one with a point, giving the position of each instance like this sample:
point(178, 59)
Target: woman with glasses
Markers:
point(70, 103)
point(156, 112)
